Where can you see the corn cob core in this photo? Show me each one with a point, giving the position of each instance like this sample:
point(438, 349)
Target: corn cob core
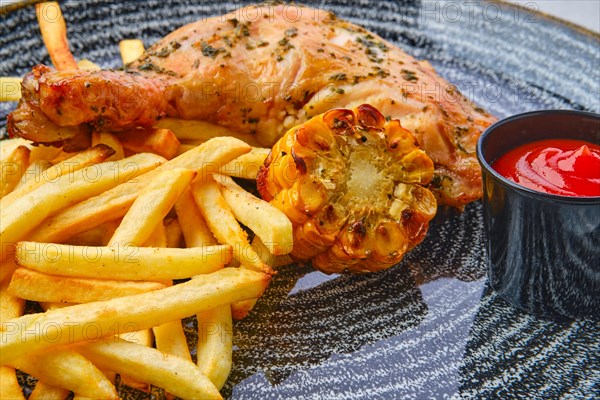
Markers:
point(351, 183)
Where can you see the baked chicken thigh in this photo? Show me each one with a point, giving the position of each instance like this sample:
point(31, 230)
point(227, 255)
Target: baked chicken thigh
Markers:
point(261, 70)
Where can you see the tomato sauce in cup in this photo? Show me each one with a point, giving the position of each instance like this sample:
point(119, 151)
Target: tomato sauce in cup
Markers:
point(564, 167)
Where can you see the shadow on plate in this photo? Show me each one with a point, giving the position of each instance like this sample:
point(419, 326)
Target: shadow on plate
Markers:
point(295, 327)
point(511, 354)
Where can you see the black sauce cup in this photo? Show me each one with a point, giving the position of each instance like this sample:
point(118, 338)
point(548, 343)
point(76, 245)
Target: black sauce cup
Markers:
point(543, 249)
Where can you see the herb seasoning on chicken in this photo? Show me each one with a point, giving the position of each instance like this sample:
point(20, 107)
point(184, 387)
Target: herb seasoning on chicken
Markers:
point(262, 76)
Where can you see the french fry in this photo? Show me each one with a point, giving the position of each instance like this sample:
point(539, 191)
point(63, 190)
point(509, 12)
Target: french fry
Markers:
point(54, 33)
point(246, 166)
point(185, 147)
point(10, 88)
point(174, 234)
point(215, 344)
point(223, 225)
point(143, 338)
point(241, 309)
point(43, 391)
point(87, 65)
point(195, 231)
point(79, 161)
point(66, 369)
point(198, 132)
point(121, 262)
point(41, 152)
point(115, 202)
point(7, 146)
point(170, 338)
point(84, 159)
point(174, 374)
point(38, 152)
point(158, 237)
point(111, 141)
point(33, 173)
point(131, 50)
point(39, 286)
point(265, 220)
point(10, 307)
point(9, 385)
point(8, 266)
point(12, 169)
point(35, 332)
point(268, 258)
point(158, 141)
point(25, 213)
point(151, 206)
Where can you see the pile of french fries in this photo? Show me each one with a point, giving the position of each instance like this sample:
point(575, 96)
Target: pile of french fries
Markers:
point(98, 237)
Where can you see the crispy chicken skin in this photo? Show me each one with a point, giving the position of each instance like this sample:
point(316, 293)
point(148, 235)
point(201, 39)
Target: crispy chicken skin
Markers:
point(261, 70)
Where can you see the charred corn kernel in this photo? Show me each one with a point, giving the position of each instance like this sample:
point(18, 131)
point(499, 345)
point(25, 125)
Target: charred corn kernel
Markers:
point(350, 182)
point(399, 139)
point(286, 173)
point(286, 201)
point(417, 167)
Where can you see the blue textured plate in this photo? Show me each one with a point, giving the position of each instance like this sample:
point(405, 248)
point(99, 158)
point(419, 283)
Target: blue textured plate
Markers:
point(429, 327)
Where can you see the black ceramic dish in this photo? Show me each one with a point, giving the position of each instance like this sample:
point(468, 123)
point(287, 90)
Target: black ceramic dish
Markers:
point(429, 327)
point(544, 249)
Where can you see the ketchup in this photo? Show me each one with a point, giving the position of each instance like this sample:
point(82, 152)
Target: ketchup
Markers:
point(565, 167)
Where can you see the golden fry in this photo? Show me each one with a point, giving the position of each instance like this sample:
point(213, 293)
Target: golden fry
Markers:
point(9, 385)
point(33, 173)
point(10, 307)
point(86, 158)
point(10, 88)
point(194, 228)
point(198, 132)
point(131, 50)
point(170, 338)
point(54, 33)
point(174, 233)
point(25, 213)
point(114, 203)
point(8, 266)
point(12, 169)
point(174, 374)
point(111, 141)
point(87, 65)
point(43, 391)
point(268, 258)
point(35, 332)
point(7, 146)
point(39, 286)
point(151, 207)
point(158, 141)
point(185, 147)
point(121, 261)
point(222, 223)
point(158, 237)
point(265, 220)
point(66, 369)
point(246, 166)
point(215, 344)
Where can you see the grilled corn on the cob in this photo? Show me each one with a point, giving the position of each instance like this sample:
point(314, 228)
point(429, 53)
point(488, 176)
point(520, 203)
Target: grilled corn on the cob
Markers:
point(352, 185)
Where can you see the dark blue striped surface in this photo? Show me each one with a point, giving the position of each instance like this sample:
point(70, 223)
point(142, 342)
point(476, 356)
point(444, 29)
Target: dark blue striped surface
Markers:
point(430, 327)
